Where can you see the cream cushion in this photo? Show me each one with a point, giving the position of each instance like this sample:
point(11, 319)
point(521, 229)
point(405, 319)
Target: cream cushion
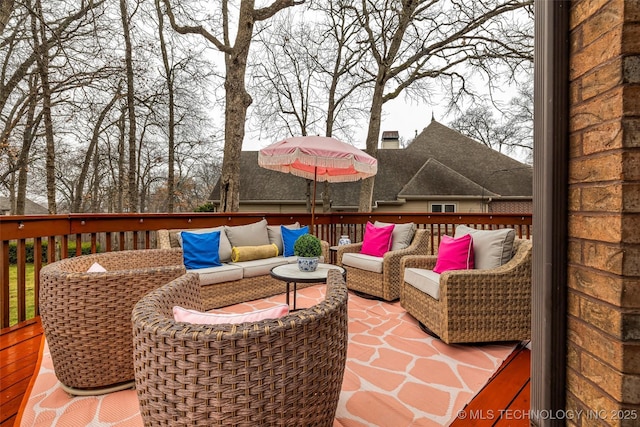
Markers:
point(363, 262)
point(260, 267)
point(491, 248)
point(223, 273)
point(248, 235)
point(427, 281)
point(402, 234)
point(275, 235)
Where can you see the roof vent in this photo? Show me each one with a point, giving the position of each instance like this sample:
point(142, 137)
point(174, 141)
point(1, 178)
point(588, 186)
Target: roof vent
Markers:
point(390, 139)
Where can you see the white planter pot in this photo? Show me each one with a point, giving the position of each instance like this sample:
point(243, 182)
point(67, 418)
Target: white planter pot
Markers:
point(307, 263)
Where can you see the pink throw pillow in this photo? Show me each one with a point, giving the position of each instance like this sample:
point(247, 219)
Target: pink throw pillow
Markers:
point(455, 254)
point(193, 316)
point(377, 240)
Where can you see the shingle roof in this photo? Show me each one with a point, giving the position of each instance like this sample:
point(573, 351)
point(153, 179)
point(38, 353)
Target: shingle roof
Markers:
point(30, 207)
point(439, 161)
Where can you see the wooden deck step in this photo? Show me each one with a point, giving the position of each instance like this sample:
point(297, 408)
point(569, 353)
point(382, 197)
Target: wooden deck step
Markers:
point(504, 400)
point(19, 351)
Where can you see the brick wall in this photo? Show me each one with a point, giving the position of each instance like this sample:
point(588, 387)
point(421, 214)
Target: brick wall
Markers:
point(603, 366)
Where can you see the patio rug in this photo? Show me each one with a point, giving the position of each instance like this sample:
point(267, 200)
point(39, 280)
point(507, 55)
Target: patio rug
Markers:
point(395, 376)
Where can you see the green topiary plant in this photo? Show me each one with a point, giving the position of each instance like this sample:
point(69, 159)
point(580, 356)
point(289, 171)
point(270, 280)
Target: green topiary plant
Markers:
point(308, 246)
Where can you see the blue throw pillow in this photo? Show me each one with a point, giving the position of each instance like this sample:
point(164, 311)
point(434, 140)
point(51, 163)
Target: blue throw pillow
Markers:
point(289, 237)
point(200, 250)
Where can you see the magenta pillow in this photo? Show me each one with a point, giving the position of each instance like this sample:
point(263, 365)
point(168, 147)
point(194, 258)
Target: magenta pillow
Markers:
point(377, 240)
point(193, 316)
point(454, 254)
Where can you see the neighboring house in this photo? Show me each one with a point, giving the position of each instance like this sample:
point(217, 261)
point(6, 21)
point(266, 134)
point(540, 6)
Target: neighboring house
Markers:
point(441, 170)
point(30, 207)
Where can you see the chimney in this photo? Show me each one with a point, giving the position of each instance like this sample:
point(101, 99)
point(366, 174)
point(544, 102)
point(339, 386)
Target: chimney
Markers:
point(390, 139)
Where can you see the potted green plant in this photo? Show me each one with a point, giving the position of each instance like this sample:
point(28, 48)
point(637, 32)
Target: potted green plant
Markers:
point(308, 250)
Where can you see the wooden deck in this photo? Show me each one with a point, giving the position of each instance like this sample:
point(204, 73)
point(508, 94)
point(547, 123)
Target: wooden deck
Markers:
point(504, 401)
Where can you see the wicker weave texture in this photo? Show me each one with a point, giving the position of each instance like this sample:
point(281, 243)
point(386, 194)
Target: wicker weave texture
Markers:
point(86, 317)
point(385, 285)
point(285, 372)
point(476, 305)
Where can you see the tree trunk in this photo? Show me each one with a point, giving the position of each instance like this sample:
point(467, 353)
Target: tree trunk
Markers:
point(6, 7)
point(131, 110)
point(95, 191)
point(366, 187)
point(171, 179)
point(43, 70)
point(27, 139)
point(237, 102)
point(121, 163)
point(79, 193)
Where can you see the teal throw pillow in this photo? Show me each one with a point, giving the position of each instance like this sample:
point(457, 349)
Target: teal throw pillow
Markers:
point(200, 250)
point(289, 238)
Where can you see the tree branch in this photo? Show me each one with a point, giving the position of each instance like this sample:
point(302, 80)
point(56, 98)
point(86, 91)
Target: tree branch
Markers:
point(194, 29)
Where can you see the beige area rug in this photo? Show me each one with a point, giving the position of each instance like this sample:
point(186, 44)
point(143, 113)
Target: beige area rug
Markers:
point(396, 375)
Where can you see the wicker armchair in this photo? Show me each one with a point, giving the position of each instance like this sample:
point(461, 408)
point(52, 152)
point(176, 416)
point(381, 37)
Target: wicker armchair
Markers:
point(285, 371)
point(86, 317)
point(385, 285)
point(475, 305)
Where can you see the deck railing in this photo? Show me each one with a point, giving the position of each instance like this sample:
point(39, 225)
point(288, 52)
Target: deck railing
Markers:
point(113, 232)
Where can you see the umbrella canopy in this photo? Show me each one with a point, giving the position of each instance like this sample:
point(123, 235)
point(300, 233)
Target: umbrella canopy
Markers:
point(320, 158)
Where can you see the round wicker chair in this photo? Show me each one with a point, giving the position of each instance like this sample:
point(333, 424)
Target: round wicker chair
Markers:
point(86, 317)
point(285, 371)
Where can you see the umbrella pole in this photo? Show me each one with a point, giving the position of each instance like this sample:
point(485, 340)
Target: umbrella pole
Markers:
point(313, 201)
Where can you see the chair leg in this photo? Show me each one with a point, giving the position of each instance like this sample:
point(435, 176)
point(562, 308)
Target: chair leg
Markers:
point(366, 295)
point(428, 331)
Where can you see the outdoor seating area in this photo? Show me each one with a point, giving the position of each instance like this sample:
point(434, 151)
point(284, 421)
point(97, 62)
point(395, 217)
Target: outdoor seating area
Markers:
point(224, 282)
point(189, 290)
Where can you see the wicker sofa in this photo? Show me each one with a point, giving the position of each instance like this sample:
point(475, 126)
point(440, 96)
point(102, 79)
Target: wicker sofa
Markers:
point(285, 371)
point(86, 316)
point(236, 282)
point(383, 284)
point(475, 305)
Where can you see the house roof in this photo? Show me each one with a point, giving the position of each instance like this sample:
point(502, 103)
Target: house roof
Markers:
point(30, 207)
point(439, 162)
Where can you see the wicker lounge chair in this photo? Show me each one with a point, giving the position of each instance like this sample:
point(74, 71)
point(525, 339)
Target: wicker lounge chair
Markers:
point(285, 371)
point(475, 305)
point(86, 317)
point(386, 284)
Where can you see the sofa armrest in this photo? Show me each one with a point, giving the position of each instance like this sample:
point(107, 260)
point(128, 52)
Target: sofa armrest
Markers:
point(325, 250)
point(509, 282)
point(162, 239)
point(419, 246)
point(343, 249)
point(426, 262)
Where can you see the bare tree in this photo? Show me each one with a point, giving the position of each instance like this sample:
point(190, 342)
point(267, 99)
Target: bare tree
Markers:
point(510, 133)
point(414, 40)
point(237, 100)
point(306, 76)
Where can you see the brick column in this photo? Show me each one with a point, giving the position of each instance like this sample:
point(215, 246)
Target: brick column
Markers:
point(603, 366)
